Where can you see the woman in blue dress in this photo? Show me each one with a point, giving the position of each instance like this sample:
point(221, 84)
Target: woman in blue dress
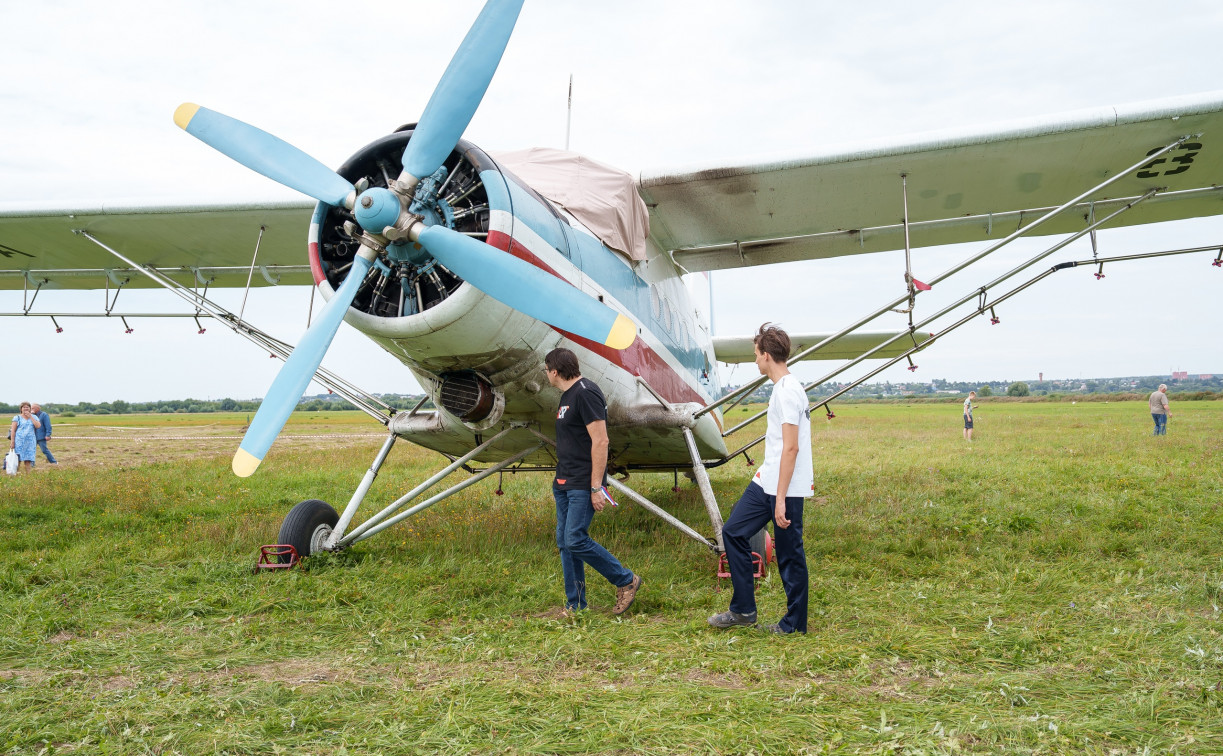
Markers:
point(22, 434)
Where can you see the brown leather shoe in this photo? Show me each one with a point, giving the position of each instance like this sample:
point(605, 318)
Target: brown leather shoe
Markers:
point(625, 595)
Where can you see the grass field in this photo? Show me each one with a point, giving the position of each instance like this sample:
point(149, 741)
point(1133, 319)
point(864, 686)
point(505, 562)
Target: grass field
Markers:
point(1053, 587)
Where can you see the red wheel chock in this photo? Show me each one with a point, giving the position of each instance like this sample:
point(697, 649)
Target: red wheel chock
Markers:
point(277, 556)
point(759, 564)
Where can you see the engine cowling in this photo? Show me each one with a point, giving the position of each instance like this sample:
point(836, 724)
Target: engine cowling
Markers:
point(406, 280)
point(464, 347)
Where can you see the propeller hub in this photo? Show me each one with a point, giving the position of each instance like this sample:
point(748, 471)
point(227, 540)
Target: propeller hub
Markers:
point(376, 209)
point(409, 252)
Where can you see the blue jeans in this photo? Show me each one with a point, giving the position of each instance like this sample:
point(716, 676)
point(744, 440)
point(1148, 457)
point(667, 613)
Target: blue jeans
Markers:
point(573, 515)
point(1161, 424)
point(42, 444)
point(751, 512)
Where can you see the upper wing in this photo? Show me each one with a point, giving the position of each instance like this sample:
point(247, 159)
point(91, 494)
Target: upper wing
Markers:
point(965, 185)
point(38, 245)
point(740, 348)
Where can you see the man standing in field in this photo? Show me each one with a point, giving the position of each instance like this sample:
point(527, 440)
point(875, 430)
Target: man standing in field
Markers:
point(776, 493)
point(42, 434)
point(968, 415)
point(1159, 409)
point(581, 461)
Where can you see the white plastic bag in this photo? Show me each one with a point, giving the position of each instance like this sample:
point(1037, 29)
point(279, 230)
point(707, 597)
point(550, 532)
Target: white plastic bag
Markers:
point(10, 462)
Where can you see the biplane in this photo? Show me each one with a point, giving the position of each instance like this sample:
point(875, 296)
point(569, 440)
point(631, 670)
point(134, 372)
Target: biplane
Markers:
point(468, 266)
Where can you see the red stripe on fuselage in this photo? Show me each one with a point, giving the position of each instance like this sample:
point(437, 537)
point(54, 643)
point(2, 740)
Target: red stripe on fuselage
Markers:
point(638, 359)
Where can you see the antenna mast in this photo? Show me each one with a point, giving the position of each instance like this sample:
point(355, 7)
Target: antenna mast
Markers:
point(569, 113)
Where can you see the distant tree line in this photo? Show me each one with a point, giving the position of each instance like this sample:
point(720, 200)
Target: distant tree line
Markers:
point(1192, 388)
point(1118, 389)
point(329, 402)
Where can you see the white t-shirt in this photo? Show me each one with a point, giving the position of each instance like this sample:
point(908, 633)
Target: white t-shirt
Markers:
point(787, 405)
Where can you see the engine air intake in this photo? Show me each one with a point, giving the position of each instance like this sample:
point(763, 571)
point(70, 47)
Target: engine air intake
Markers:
point(466, 395)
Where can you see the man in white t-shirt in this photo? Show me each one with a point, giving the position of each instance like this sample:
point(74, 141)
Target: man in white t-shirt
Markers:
point(787, 470)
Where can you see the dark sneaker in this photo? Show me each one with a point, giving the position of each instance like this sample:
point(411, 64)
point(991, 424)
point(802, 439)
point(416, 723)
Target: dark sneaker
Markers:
point(625, 595)
point(733, 619)
point(775, 629)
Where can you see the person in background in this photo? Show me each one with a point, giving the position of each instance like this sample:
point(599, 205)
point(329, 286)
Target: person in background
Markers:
point(1159, 409)
point(968, 415)
point(42, 434)
point(21, 435)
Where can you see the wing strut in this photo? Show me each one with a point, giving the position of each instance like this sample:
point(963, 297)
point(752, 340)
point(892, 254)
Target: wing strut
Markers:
point(978, 292)
point(367, 403)
point(911, 283)
point(746, 390)
point(982, 307)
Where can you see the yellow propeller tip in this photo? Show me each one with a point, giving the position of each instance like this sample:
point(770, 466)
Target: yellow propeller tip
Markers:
point(245, 463)
point(623, 333)
point(184, 113)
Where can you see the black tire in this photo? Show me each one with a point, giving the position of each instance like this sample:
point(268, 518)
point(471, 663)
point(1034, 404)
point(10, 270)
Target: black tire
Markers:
point(307, 525)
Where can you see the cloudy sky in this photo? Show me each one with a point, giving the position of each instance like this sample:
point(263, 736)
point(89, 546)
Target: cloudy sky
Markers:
point(88, 91)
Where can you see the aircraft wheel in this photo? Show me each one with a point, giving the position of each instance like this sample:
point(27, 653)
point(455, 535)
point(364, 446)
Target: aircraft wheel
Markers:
point(307, 526)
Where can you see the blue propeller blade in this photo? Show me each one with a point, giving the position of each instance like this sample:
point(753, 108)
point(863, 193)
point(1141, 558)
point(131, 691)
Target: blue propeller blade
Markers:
point(263, 153)
point(461, 88)
point(528, 289)
point(296, 373)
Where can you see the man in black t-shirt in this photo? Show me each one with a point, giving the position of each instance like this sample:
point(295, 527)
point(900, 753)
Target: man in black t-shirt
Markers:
point(581, 464)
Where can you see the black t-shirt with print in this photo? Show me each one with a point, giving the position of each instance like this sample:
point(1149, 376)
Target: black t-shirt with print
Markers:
point(580, 406)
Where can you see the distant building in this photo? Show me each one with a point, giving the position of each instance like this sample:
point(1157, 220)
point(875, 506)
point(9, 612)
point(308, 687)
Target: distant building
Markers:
point(1205, 376)
point(1180, 375)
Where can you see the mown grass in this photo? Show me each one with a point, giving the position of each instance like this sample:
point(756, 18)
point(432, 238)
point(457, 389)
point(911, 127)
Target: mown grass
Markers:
point(1054, 587)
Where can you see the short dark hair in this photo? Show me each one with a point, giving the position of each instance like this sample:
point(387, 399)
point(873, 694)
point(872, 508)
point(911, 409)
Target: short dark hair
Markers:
point(774, 342)
point(564, 362)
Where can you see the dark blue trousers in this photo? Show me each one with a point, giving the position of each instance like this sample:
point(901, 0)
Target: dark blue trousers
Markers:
point(42, 444)
point(751, 512)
